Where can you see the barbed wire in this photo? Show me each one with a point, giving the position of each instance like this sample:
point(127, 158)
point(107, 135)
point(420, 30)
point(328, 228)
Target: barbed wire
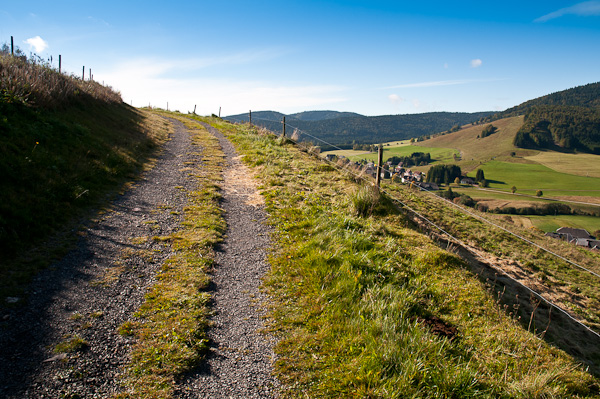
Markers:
point(452, 237)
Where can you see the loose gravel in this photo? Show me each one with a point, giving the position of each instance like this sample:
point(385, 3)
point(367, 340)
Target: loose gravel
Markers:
point(87, 295)
point(94, 289)
point(240, 361)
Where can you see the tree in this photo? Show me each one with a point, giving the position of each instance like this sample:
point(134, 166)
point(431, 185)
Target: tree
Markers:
point(479, 176)
point(443, 174)
point(488, 130)
point(457, 180)
point(513, 189)
point(539, 193)
point(484, 183)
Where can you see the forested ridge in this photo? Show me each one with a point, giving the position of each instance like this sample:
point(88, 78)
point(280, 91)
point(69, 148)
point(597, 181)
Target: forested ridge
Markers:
point(344, 131)
point(568, 120)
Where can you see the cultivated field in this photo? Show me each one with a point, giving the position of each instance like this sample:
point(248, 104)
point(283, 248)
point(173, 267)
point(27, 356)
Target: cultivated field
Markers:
point(573, 178)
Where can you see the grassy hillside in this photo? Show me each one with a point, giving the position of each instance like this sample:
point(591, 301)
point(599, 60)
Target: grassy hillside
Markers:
point(367, 307)
point(64, 144)
point(474, 150)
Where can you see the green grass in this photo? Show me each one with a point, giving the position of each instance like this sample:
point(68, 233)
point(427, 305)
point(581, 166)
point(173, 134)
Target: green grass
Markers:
point(587, 165)
point(442, 155)
point(59, 161)
point(351, 294)
point(71, 344)
point(530, 177)
point(573, 283)
point(171, 324)
point(476, 150)
point(551, 223)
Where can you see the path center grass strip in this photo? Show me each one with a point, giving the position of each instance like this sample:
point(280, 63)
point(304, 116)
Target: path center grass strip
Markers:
point(366, 307)
point(171, 325)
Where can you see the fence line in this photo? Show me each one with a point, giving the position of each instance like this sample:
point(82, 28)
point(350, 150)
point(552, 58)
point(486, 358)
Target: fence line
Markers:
point(380, 169)
point(12, 53)
point(453, 238)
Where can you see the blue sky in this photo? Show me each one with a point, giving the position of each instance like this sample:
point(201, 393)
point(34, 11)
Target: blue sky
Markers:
point(371, 57)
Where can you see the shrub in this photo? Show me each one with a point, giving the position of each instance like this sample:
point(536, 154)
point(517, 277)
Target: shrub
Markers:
point(364, 200)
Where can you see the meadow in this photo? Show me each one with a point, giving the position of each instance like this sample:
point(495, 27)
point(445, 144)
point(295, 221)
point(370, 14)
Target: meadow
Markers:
point(356, 292)
point(441, 155)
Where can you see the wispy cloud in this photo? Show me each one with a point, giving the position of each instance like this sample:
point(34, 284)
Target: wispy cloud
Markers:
point(587, 8)
point(37, 43)
point(142, 83)
point(431, 84)
point(476, 63)
point(162, 67)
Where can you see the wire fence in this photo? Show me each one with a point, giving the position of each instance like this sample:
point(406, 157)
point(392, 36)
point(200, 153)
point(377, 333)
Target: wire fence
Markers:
point(434, 225)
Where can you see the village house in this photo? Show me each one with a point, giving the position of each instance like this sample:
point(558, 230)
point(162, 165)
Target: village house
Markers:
point(579, 237)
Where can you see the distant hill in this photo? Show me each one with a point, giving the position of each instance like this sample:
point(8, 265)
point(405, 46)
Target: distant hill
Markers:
point(345, 129)
point(568, 120)
point(587, 96)
point(322, 115)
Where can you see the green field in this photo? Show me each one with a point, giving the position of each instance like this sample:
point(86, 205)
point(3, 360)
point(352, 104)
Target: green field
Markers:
point(551, 223)
point(528, 178)
point(576, 164)
point(443, 155)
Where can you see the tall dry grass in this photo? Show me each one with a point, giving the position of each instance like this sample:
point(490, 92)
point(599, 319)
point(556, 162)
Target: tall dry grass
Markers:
point(39, 85)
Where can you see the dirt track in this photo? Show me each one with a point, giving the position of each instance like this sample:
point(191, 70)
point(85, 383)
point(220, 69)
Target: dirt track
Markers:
point(101, 283)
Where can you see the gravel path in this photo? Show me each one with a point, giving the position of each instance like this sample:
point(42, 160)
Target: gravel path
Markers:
point(94, 289)
point(240, 361)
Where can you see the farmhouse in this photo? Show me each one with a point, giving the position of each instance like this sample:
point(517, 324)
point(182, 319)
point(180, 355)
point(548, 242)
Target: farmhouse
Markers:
point(579, 237)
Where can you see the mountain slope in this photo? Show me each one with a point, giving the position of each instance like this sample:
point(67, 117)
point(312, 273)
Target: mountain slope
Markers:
point(346, 131)
point(582, 96)
point(568, 120)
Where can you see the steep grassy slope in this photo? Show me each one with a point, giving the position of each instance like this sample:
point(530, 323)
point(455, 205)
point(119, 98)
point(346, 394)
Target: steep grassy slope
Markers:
point(475, 150)
point(367, 307)
point(64, 144)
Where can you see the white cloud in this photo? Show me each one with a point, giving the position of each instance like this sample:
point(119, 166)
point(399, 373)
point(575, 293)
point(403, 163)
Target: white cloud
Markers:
point(430, 84)
point(476, 63)
point(416, 103)
point(145, 82)
point(396, 99)
point(587, 8)
point(37, 43)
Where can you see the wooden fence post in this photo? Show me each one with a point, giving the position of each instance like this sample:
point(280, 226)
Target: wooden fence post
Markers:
point(250, 116)
point(12, 46)
point(194, 109)
point(59, 63)
point(379, 162)
point(83, 73)
point(90, 75)
point(219, 112)
point(283, 126)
